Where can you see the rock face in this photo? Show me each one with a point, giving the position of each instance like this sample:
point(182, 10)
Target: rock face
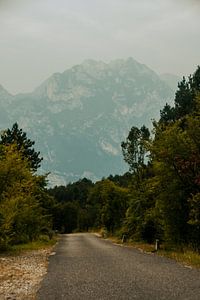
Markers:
point(80, 117)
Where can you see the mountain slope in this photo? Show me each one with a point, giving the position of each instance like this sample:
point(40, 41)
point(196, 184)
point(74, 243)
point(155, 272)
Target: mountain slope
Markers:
point(79, 118)
point(171, 80)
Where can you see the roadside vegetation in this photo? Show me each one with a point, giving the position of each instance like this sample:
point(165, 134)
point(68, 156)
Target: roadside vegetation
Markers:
point(158, 199)
point(24, 202)
point(42, 243)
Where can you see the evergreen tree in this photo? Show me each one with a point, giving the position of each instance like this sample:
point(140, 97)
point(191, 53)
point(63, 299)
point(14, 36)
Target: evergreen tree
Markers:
point(184, 102)
point(24, 145)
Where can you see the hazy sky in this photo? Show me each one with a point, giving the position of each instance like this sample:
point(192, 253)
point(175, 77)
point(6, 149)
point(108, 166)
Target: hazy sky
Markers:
point(40, 37)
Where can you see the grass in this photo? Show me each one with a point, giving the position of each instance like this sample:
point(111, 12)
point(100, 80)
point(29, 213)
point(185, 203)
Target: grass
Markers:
point(186, 256)
point(43, 243)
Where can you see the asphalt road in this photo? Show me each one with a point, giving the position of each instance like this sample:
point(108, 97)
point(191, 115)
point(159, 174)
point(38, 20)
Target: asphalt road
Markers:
point(87, 267)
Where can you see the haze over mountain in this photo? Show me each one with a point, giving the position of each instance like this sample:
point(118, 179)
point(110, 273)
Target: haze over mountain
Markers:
point(171, 80)
point(79, 118)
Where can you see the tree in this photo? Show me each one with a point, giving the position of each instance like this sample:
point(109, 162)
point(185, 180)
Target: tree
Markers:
point(195, 81)
point(71, 210)
point(184, 102)
point(110, 201)
point(134, 149)
point(22, 216)
point(176, 161)
point(184, 98)
point(194, 221)
point(24, 145)
point(165, 201)
point(167, 114)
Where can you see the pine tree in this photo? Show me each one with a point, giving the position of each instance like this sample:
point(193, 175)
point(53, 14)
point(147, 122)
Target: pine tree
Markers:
point(24, 145)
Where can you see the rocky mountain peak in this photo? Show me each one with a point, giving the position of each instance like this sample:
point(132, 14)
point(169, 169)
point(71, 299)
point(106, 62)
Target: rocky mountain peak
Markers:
point(79, 118)
point(92, 74)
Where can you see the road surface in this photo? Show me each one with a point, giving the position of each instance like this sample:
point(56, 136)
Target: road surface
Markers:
point(88, 267)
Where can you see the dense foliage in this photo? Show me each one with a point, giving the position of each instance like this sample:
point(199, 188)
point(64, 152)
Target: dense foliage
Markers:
point(71, 211)
point(23, 197)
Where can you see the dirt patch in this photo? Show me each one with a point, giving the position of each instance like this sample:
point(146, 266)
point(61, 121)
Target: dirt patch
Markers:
point(20, 275)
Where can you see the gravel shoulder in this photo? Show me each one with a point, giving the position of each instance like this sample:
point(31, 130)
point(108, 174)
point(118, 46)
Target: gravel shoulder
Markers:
point(21, 274)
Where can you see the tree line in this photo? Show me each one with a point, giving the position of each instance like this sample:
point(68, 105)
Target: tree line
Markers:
point(158, 198)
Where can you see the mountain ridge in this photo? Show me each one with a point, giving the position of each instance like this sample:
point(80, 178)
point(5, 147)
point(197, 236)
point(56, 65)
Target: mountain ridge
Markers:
point(79, 118)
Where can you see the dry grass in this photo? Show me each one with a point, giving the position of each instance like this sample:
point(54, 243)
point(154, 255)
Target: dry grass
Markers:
point(186, 256)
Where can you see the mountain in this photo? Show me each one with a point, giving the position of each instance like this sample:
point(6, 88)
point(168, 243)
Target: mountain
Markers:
point(79, 118)
point(171, 80)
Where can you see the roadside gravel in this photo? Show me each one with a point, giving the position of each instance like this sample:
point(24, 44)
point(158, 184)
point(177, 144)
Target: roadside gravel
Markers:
point(20, 275)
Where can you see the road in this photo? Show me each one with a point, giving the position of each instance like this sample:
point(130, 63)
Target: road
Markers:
point(88, 267)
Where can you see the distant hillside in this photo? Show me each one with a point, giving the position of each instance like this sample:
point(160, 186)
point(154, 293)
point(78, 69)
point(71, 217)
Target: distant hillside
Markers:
point(171, 80)
point(79, 118)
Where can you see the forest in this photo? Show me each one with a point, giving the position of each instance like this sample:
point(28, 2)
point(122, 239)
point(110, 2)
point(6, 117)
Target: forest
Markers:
point(159, 198)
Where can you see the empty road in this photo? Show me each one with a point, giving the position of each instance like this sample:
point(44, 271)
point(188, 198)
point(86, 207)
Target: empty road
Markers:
point(87, 267)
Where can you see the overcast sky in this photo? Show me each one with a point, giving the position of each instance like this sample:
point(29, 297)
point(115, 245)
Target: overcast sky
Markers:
point(41, 37)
